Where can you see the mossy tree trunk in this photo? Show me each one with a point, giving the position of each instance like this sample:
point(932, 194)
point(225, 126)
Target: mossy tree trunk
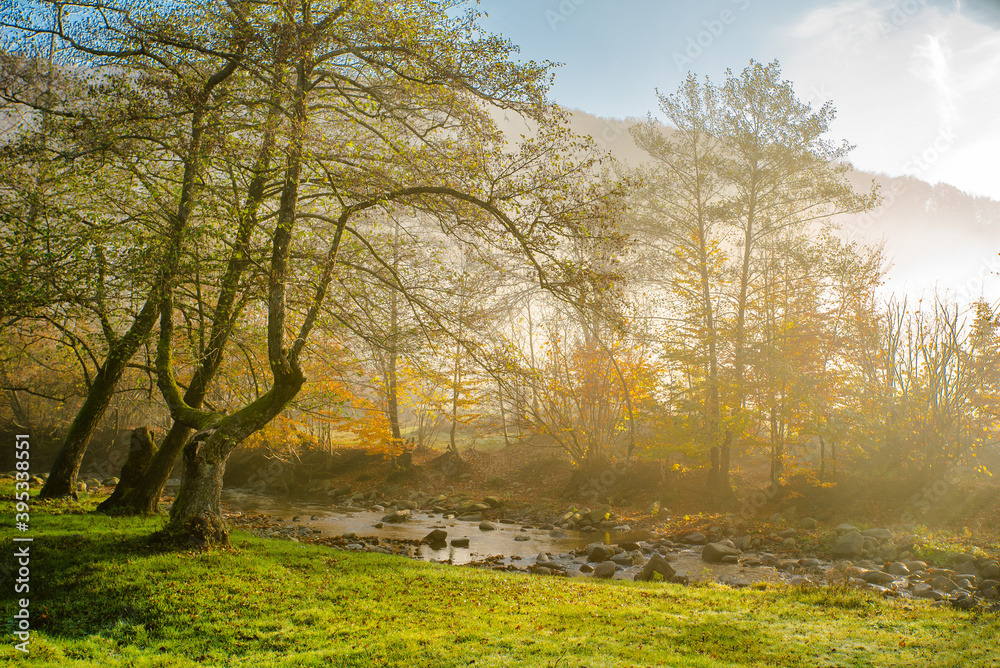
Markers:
point(142, 496)
point(62, 477)
point(140, 454)
point(195, 517)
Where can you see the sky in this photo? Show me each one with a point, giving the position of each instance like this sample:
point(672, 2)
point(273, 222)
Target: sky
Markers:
point(916, 83)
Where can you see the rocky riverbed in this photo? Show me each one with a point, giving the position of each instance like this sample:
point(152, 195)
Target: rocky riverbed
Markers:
point(585, 542)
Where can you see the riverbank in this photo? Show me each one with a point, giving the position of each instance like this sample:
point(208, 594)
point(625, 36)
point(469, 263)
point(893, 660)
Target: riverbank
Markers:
point(101, 596)
point(586, 543)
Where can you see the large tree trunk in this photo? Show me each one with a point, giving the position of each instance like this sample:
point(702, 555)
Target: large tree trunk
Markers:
point(195, 518)
point(141, 495)
point(62, 477)
point(196, 515)
point(140, 454)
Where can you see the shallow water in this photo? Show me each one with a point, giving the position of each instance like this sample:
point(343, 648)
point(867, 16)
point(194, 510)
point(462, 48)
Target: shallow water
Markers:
point(500, 542)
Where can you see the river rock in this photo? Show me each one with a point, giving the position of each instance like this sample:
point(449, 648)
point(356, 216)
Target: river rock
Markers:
point(897, 568)
point(436, 536)
point(471, 517)
point(881, 535)
point(492, 501)
point(434, 501)
point(931, 594)
point(557, 533)
point(967, 603)
point(844, 528)
point(460, 542)
point(990, 570)
point(849, 546)
point(877, 577)
point(473, 508)
point(520, 538)
point(605, 570)
point(714, 552)
point(967, 568)
point(487, 526)
point(599, 514)
point(339, 491)
point(808, 523)
point(944, 584)
point(695, 538)
point(624, 559)
point(397, 516)
point(599, 552)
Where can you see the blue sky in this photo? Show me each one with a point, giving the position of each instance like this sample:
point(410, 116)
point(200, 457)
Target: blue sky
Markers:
point(916, 82)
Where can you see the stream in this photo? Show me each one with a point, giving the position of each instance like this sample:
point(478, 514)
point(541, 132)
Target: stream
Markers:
point(501, 545)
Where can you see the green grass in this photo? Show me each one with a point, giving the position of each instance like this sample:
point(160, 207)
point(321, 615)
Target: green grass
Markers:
point(101, 597)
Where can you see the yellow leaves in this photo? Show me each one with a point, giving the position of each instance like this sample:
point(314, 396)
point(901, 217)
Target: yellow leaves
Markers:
point(372, 430)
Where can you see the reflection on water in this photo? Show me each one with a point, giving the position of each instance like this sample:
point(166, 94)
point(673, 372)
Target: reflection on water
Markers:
point(500, 542)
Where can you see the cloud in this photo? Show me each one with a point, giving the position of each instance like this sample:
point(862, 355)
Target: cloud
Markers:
point(932, 63)
point(903, 75)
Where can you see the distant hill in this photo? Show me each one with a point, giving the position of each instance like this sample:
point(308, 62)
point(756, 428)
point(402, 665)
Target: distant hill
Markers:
point(935, 235)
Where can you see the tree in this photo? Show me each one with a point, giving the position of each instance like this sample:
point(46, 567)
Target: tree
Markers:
point(747, 166)
point(167, 81)
point(785, 175)
point(680, 217)
point(384, 102)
